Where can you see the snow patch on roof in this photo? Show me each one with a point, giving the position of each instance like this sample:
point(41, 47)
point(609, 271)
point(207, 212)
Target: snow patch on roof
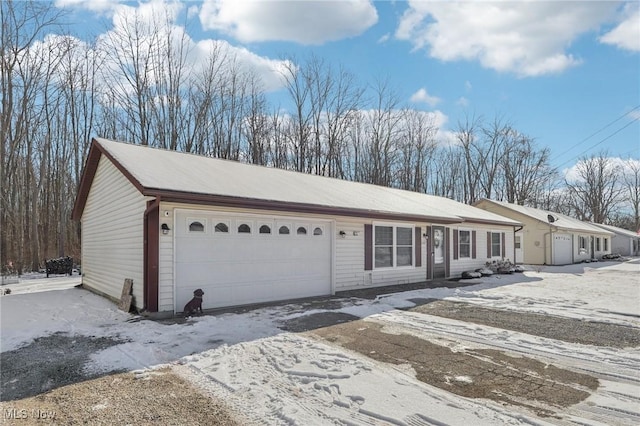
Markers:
point(562, 222)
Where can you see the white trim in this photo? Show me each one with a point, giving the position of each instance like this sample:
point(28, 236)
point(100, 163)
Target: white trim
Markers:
point(499, 256)
point(173, 266)
point(332, 244)
point(470, 231)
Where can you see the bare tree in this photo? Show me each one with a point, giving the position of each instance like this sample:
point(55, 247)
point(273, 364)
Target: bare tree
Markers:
point(298, 88)
point(525, 168)
point(594, 191)
point(23, 71)
point(417, 145)
point(467, 137)
point(631, 180)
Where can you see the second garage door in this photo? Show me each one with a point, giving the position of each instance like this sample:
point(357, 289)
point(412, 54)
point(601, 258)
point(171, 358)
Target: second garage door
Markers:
point(238, 260)
point(562, 249)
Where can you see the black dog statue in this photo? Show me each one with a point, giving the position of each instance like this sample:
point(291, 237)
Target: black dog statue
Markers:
point(195, 305)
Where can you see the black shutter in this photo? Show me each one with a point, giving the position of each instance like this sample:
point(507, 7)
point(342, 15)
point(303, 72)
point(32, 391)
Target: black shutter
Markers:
point(418, 248)
point(504, 246)
point(473, 244)
point(488, 245)
point(368, 247)
point(429, 254)
point(447, 253)
point(455, 244)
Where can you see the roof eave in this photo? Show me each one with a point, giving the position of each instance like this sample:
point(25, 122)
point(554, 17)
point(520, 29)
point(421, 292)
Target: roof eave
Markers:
point(260, 204)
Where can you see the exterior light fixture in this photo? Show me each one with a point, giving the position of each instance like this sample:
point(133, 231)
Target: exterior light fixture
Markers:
point(165, 228)
point(343, 234)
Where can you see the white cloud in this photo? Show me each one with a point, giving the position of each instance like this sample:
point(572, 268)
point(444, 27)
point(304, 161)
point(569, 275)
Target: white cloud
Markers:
point(468, 86)
point(627, 34)
point(463, 102)
point(524, 38)
point(385, 38)
point(158, 17)
point(93, 5)
point(304, 22)
point(621, 165)
point(421, 96)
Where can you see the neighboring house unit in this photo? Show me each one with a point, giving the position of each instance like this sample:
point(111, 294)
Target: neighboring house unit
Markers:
point(572, 240)
point(174, 222)
point(623, 242)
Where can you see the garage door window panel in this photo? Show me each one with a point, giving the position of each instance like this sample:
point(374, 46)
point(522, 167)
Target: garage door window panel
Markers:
point(197, 225)
point(222, 228)
point(301, 230)
point(318, 231)
point(265, 229)
point(244, 228)
point(284, 229)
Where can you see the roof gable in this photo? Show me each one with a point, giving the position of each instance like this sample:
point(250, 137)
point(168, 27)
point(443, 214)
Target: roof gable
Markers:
point(187, 177)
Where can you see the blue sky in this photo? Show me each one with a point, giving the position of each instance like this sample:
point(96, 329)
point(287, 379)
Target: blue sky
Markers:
point(559, 71)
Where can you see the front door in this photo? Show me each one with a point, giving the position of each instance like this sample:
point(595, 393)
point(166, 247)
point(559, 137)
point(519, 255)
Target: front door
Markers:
point(519, 249)
point(438, 248)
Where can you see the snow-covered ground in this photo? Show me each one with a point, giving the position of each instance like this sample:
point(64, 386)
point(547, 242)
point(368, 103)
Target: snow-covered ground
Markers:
point(277, 377)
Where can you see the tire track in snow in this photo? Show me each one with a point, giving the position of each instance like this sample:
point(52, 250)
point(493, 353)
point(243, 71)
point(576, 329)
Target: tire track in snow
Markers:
point(293, 380)
point(615, 368)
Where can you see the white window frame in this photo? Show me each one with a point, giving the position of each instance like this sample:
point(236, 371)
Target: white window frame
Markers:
point(582, 242)
point(394, 246)
point(499, 233)
point(460, 256)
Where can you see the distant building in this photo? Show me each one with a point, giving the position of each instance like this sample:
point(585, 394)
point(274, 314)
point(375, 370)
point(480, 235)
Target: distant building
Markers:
point(550, 238)
point(623, 242)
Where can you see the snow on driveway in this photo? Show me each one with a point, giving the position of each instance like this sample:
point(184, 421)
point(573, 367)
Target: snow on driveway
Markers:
point(277, 377)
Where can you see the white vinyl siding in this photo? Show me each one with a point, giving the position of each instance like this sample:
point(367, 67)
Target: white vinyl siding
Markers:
point(112, 234)
point(458, 266)
point(350, 273)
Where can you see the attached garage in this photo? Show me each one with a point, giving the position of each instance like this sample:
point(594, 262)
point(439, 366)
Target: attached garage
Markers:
point(244, 259)
point(175, 222)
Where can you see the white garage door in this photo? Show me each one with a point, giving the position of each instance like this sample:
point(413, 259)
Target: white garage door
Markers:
point(562, 249)
point(238, 260)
